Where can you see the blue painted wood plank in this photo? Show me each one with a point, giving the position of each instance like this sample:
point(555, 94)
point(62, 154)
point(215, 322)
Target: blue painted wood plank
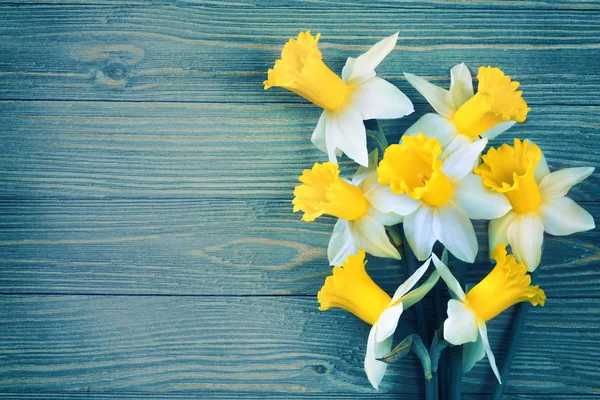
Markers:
point(266, 395)
point(152, 150)
point(101, 195)
point(186, 52)
point(204, 345)
point(216, 247)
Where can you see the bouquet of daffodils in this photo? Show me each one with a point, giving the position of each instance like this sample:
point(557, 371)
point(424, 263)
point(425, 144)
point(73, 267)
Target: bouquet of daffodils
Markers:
point(433, 183)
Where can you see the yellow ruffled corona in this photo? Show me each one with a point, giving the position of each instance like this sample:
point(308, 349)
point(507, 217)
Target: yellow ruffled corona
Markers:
point(413, 167)
point(507, 285)
point(511, 170)
point(324, 192)
point(352, 289)
point(497, 100)
point(301, 70)
point(357, 95)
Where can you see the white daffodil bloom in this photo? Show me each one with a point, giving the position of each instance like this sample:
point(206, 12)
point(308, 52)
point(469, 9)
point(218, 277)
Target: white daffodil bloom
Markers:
point(462, 116)
point(537, 199)
point(506, 285)
point(360, 225)
point(437, 198)
point(347, 100)
point(352, 289)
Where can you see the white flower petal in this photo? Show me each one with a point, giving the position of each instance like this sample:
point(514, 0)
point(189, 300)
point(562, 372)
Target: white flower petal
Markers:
point(411, 281)
point(416, 295)
point(348, 67)
point(374, 368)
point(458, 164)
point(332, 132)
point(363, 67)
point(383, 199)
point(341, 243)
point(498, 230)
point(461, 84)
point(376, 98)
point(453, 228)
point(562, 216)
point(488, 350)
point(347, 133)
point(318, 136)
point(526, 235)
point(498, 129)
point(447, 276)
point(541, 170)
point(388, 321)
point(363, 172)
point(418, 228)
point(557, 184)
point(461, 325)
point(434, 126)
point(385, 219)
point(370, 235)
point(457, 143)
point(439, 98)
point(478, 201)
point(472, 352)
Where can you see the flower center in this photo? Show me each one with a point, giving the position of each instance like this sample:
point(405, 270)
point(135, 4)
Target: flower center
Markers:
point(507, 285)
point(352, 289)
point(497, 100)
point(413, 167)
point(301, 70)
point(510, 170)
point(324, 192)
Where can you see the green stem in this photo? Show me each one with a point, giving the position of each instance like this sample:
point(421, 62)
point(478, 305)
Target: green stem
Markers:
point(455, 373)
point(513, 343)
point(411, 267)
point(431, 388)
point(443, 360)
point(456, 353)
point(376, 132)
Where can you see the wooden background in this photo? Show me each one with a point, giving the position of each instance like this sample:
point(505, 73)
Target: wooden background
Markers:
point(148, 247)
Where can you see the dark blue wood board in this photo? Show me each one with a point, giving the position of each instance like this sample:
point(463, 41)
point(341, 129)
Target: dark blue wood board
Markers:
point(147, 243)
point(271, 344)
point(182, 246)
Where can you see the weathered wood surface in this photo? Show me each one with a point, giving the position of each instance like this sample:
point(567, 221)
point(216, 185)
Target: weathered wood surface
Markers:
point(131, 343)
point(187, 52)
point(263, 395)
point(185, 247)
point(124, 149)
point(147, 243)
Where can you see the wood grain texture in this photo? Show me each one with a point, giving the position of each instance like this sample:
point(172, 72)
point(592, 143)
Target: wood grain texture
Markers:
point(340, 5)
point(195, 344)
point(133, 150)
point(216, 247)
point(190, 52)
point(147, 244)
point(260, 396)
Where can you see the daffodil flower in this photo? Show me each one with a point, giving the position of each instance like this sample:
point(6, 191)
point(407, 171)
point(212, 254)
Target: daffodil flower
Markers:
point(436, 197)
point(537, 199)
point(463, 116)
point(352, 289)
point(360, 225)
point(347, 100)
point(506, 285)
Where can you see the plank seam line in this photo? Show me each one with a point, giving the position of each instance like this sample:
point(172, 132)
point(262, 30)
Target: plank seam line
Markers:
point(383, 7)
point(194, 199)
point(241, 103)
point(300, 296)
point(562, 395)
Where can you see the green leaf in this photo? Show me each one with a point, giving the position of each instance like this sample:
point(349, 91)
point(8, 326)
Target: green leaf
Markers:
point(412, 342)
